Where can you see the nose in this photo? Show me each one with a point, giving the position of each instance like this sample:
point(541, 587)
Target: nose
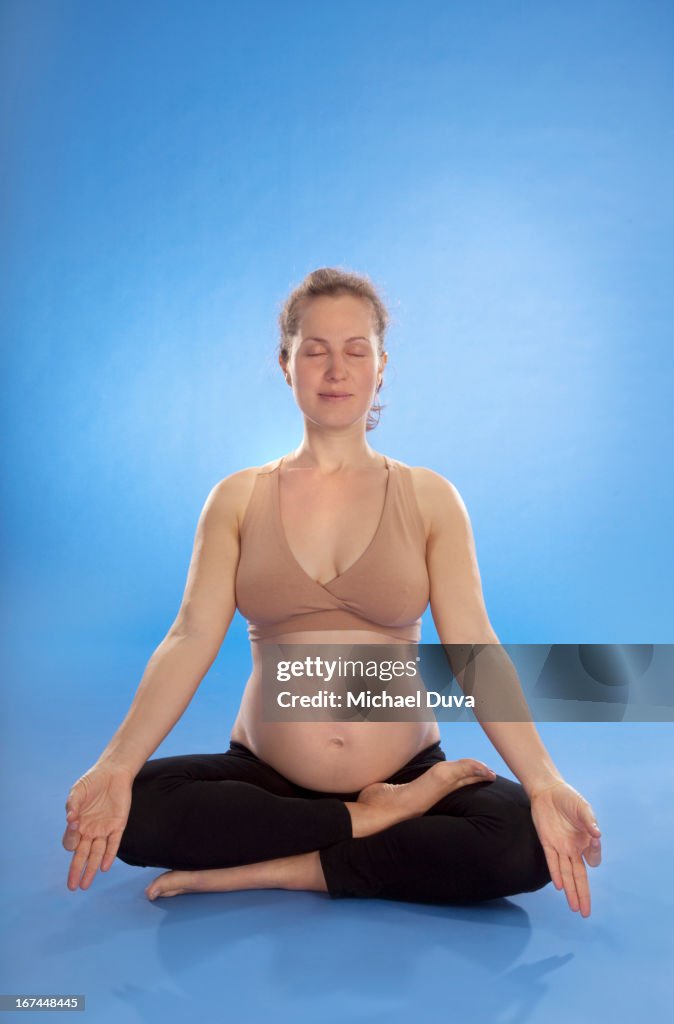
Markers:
point(336, 368)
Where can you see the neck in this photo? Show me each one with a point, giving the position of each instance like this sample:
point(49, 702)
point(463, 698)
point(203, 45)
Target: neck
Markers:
point(333, 453)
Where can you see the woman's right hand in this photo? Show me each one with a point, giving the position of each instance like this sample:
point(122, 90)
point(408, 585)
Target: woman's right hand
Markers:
point(97, 810)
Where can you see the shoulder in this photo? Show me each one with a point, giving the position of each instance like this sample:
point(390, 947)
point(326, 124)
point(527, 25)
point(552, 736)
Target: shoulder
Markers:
point(438, 498)
point(229, 497)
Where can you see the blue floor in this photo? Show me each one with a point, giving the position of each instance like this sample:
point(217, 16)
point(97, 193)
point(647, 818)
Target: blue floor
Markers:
point(284, 956)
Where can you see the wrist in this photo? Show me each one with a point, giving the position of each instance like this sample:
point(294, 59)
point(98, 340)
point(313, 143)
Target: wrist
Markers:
point(113, 764)
point(543, 787)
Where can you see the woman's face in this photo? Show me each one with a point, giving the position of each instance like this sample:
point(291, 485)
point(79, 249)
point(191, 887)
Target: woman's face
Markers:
point(335, 354)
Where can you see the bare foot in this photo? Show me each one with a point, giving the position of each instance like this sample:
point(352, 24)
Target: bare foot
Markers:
point(412, 799)
point(301, 871)
point(172, 883)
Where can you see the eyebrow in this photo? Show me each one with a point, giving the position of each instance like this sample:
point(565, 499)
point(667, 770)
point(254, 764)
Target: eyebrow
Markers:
point(358, 337)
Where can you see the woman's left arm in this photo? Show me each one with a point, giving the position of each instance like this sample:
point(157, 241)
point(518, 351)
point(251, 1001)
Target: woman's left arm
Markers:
point(564, 820)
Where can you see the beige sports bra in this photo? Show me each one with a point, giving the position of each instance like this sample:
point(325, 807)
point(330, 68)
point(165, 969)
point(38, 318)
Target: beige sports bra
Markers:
point(386, 589)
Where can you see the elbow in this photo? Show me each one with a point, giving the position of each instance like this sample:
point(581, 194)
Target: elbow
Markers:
point(469, 637)
point(210, 641)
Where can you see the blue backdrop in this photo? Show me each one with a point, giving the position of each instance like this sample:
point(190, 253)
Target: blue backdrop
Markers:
point(501, 170)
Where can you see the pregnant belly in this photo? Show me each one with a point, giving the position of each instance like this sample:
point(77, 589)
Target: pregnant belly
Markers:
point(330, 756)
point(335, 757)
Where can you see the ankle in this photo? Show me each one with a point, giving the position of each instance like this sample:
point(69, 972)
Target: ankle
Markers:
point(364, 819)
point(367, 819)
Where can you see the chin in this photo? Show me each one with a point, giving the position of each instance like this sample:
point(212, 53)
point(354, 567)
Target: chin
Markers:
point(346, 411)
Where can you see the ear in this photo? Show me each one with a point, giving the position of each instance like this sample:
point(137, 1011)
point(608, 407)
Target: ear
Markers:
point(284, 368)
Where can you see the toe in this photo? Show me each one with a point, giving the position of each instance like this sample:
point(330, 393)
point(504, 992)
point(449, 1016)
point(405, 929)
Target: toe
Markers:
point(158, 885)
point(171, 884)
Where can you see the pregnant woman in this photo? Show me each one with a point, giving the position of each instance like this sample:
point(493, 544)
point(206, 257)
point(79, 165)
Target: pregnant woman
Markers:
point(330, 544)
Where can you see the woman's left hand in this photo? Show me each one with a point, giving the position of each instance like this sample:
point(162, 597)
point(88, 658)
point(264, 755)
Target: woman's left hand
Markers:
point(568, 833)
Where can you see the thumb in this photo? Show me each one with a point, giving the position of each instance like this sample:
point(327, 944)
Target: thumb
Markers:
point(73, 802)
point(589, 821)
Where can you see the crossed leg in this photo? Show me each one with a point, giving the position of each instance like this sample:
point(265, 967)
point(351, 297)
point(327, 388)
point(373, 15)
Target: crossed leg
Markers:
point(444, 837)
point(378, 807)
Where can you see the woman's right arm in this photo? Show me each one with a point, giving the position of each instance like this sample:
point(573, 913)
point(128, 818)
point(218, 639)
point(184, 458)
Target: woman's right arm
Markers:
point(182, 659)
point(99, 802)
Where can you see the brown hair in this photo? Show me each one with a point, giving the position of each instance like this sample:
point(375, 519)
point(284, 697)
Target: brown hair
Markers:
point(333, 281)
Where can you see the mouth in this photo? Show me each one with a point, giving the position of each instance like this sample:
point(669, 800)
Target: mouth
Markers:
point(334, 396)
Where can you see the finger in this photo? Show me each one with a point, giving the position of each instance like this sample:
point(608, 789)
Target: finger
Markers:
point(71, 838)
point(97, 850)
point(569, 882)
point(553, 866)
point(582, 885)
point(114, 839)
point(592, 853)
point(78, 862)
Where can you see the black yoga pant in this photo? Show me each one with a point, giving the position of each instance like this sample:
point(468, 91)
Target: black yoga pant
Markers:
point(197, 811)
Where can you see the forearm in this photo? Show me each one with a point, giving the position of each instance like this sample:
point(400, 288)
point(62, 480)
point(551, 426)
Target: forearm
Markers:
point(169, 682)
point(503, 713)
point(521, 747)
